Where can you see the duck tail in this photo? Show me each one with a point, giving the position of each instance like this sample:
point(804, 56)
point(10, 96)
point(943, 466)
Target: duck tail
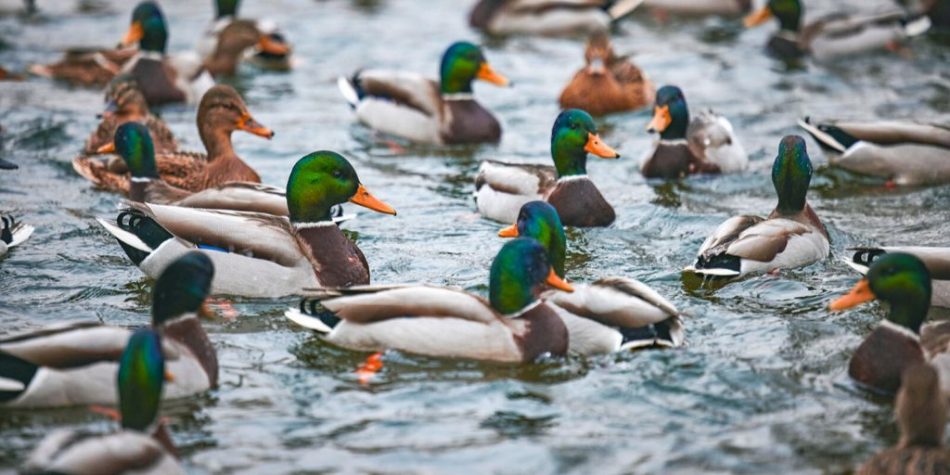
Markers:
point(915, 26)
point(863, 257)
point(137, 233)
point(718, 265)
point(618, 9)
point(828, 136)
point(350, 89)
point(311, 315)
point(40, 70)
point(669, 333)
point(13, 232)
point(5, 165)
point(15, 376)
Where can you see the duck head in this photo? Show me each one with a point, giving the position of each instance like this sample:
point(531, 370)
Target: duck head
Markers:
point(221, 112)
point(227, 7)
point(598, 54)
point(241, 35)
point(539, 220)
point(899, 279)
point(148, 28)
point(182, 288)
point(463, 63)
point(788, 13)
point(124, 99)
point(519, 273)
point(573, 136)
point(321, 180)
point(791, 174)
point(141, 379)
point(670, 114)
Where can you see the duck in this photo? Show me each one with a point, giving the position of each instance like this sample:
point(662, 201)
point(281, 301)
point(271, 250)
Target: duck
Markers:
point(833, 36)
point(921, 416)
point(143, 444)
point(902, 339)
point(608, 83)
point(548, 17)
point(937, 260)
point(513, 326)
point(71, 364)
point(7, 165)
point(86, 67)
point(904, 153)
point(257, 254)
point(125, 103)
point(162, 79)
point(502, 188)
point(12, 233)
point(609, 315)
point(221, 112)
point(704, 8)
point(231, 40)
point(791, 236)
point(705, 144)
point(416, 108)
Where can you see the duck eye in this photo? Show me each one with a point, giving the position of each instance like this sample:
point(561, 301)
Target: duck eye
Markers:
point(337, 174)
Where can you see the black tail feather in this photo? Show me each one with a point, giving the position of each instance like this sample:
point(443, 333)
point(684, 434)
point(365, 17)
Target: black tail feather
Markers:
point(145, 228)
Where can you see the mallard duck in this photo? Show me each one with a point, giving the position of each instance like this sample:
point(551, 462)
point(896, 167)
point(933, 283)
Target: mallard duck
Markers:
point(502, 188)
point(513, 326)
point(125, 103)
point(835, 35)
point(611, 314)
point(88, 67)
point(72, 364)
point(13, 233)
point(142, 446)
point(937, 260)
point(221, 112)
point(792, 235)
point(921, 416)
point(548, 17)
point(417, 108)
point(904, 153)
point(609, 83)
point(256, 254)
point(162, 79)
point(231, 40)
point(706, 144)
point(705, 7)
point(902, 339)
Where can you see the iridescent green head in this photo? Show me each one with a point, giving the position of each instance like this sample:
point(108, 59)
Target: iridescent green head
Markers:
point(670, 114)
point(141, 379)
point(519, 274)
point(791, 174)
point(463, 63)
point(148, 28)
point(134, 144)
point(182, 288)
point(539, 220)
point(324, 179)
point(227, 7)
point(903, 281)
point(573, 136)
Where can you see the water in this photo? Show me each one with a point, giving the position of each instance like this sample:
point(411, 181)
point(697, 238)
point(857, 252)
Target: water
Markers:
point(761, 386)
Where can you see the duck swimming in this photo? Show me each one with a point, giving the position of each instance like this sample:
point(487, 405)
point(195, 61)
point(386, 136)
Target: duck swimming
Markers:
point(937, 260)
point(548, 17)
point(125, 103)
point(608, 83)
point(231, 40)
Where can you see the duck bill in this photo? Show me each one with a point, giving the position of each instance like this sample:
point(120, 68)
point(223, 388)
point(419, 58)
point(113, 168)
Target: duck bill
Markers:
point(134, 34)
point(597, 147)
point(107, 148)
point(487, 74)
point(509, 232)
point(364, 198)
point(558, 283)
point(169, 377)
point(271, 46)
point(861, 293)
point(661, 119)
point(757, 17)
point(248, 124)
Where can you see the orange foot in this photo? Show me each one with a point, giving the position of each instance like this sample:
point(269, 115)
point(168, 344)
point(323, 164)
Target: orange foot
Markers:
point(109, 412)
point(369, 368)
point(222, 307)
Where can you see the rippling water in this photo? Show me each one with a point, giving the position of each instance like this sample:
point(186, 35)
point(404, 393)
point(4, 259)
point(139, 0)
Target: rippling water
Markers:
point(761, 386)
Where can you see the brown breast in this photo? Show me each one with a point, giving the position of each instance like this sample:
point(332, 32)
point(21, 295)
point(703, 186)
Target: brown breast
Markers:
point(579, 203)
point(337, 262)
point(544, 333)
point(669, 161)
point(469, 122)
point(882, 357)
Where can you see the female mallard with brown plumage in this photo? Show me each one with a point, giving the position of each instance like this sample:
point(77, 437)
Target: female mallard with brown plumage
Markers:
point(221, 112)
point(89, 67)
point(792, 235)
point(608, 83)
point(548, 17)
point(231, 40)
point(419, 109)
point(125, 103)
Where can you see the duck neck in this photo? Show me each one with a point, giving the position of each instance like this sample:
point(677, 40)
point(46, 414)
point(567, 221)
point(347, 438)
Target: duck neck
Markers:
point(187, 330)
point(569, 161)
point(217, 141)
point(909, 313)
point(679, 122)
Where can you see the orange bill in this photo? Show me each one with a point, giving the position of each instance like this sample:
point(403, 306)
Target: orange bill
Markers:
point(272, 46)
point(757, 17)
point(248, 124)
point(364, 198)
point(861, 293)
point(597, 147)
point(486, 73)
point(169, 376)
point(509, 232)
point(107, 148)
point(134, 34)
point(661, 119)
point(557, 282)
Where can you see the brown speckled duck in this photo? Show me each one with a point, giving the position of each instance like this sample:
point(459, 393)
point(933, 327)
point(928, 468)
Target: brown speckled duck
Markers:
point(231, 40)
point(88, 67)
point(125, 103)
point(608, 83)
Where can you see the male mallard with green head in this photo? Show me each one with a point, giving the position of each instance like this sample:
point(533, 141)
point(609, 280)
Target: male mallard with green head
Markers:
point(548, 17)
point(256, 254)
point(513, 326)
point(705, 144)
point(792, 235)
point(143, 445)
point(937, 260)
point(502, 188)
point(611, 314)
point(416, 108)
point(901, 340)
point(608, 83)
point(835, 35)
point(125, 103)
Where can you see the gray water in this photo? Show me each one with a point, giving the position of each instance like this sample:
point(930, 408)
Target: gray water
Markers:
point(760, 388)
